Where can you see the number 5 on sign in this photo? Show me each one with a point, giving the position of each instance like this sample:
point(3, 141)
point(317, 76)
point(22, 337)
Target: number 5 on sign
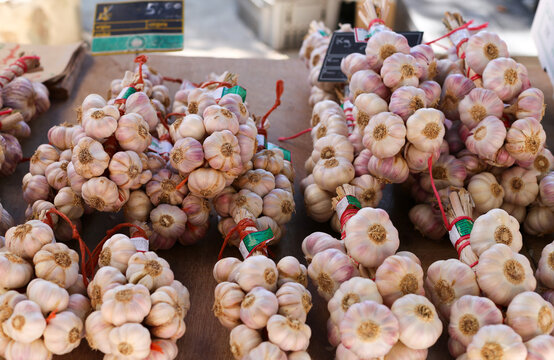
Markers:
point(138, 26)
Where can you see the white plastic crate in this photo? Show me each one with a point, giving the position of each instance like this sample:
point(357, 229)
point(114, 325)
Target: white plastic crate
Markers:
point(282, 24)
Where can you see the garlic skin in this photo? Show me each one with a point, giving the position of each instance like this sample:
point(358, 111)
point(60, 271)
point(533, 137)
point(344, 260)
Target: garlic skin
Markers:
point(332, 172)
point(425, 129)
point(26, 323)
point(149, 270)
point(385, 134)
point(130, 341)
point(279, 205)
point(63, 333)
point(540, 347)
point(401, 70)
point(525, 139)
point(366, 82)
point(502, 274)
point(389, 170)
point(57, 263)
point(98, 332)
point(100, 123)
point(418, 321)
point(427, 221)
point(447, 281)
point(366, 106)
point(290, 270)
point(369, 329)
point(116, 252)
point(530, 315)
point(487, 137)
point(495, 227)
point(353, 291)
point(226, 269)
point(26, 239)
point(294, 301)
point(406, 100)
point(289, 334)
point(520, 186)
point(242, 339)
point(167, 313)
point(397, 277)
point(227, 303)
point(485, 191)
point(101, 194)
point(266, 351)
point(34, 350)
point(470, 313)
point(318, 203)
point(479, 104)
point(505, 77)
point(257, 307)
point(106, 278)
point(370, 237)
point(79, 305)
point(257, 271)
point(16, 271)
point(329, 269)
point(44, 155)
point(89, 158)
point(317, 242)
point(206, 183)
point(498, 341)
point(162, 189)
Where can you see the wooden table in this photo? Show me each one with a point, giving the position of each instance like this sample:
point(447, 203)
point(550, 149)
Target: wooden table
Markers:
point(205, 337)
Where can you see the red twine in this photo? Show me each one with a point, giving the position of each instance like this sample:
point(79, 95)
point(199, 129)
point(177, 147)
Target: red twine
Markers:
point(240, 228)
point(6, 112)
point(182, 183)
point(51, 316)
point(170, 79)
point(346, 215)
point(375, 21)
point(285, 138)
point(155, 347)
point(141, 60)
point(464, 26)
point(279, 88)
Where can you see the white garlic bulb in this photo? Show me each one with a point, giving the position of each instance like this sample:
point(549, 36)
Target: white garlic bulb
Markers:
point(26, 239)
point(167, 314)
point(329, 269)
point(98, 332)
point(242, 339)
point(226, 269)
point(226, 307)
point(418, 321)
point(266, 351)
point(116, 252)
point(294, 301)
point(26, 323)
point(350, 292)
point(63, 333)
point(317, 242)
point(279, 205)
point(470, 313)
point(257, 270)
point(288, 333)
point(57, 263)
point(385, 134)
point(257, 307)
point(545, 269)
point(16, 272)
point(290, 270)
point(401, 352)
point(425, 129)
point(530, 315)
point(495, 227)
point(496, 342)
point(540, 347)
point(130, 341)
point(48, 295)
point(520, 186)
point(106, 278)
point(34, 350)
point(126, 303)
point(398, 276)
point(79, 305)
point(149, 269)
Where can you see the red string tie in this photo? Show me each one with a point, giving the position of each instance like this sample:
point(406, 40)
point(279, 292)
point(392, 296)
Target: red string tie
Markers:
point(375, 21)
point(279, 88)
point(240, 228)
point(141, 60)
point(285, 138)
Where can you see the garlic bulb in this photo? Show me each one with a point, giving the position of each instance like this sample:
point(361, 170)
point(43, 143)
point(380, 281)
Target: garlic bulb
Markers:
point(545, 269)
point(496, 342)
point(162, 189)
point(35, 187)
point(98, 332)
point(57, 263)
point(227, 303)
point(279, 205)
point(56, 174)
point(432, 91)
point(479, 104)
point(168, 221)
point(539, 221)
point(384, 135)
point(425, 129)
point(149, 270)
point(485, 191)
point(270, 160)
point(242, 339)
point(197, 210)
point(89, 158)
point(206, 183)
point(16, 271)
point(33, 350)
point(116, 252)
point(44, 155)
point(248, 200)
point(368, 190)
point(360, 163)
point(266, 351)
point(366, 82)
point(520, 186)
point(454, 88)
point(100, 123)
point(26, 323)
point(546, 189)
point(384, 44)
point(447, 281)
point(26, 239)
point(525, 139)
point(294, 301)
point(482, 48)
point(226, 269)
point(318, 203)
point(369, 329)
point(69, 203)
point(530, 315)
point(257, 307)
point(317, 242)
point(540, 347)
point(106, 278)
point(75, 180)
point(398, 276)
point(189, 126)
point(400, 352)
point(495, 227)
point(101, 194)
point(139, 103)
point(126, 303)
point(447, 171)
point(49, 296)
point(530, 103)
point(130, 341)
point(166, 317)
point(427, 221)
point(517, 211)
point(63, 333)
point(406, 100)
point(332, 145)
point(125, 168)
point(366, 106)
point(370, 237)
point(425, 56)
point(222, 151)
point(287, 333)
point(389, 170)
point(283, 182)
point(257, 271)
point(354, 62)
point(259, 181)
point(503, 273)
point(332, 172)
point(505, 77)
point(399, 70)
point(487, 137)
point(353, 291)
point(217, 118)
point(79, 305)
point(132, 133)
point(290, 270)
point(470, 313)
point(329, 269)
point(419, 324)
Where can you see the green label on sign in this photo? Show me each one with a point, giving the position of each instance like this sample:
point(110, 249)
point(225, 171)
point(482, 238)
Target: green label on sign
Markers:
point(286, 153)
point(464, 227)
point(239, 90)
point(130, 91)
point(256, 238)
point(353, 201)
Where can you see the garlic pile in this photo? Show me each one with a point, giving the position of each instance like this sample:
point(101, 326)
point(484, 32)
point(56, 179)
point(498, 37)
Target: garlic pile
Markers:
point(257, 296)
point(21, 100)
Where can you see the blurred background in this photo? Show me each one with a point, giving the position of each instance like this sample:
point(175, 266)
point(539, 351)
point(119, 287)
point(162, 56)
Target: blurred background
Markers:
point(264, 28)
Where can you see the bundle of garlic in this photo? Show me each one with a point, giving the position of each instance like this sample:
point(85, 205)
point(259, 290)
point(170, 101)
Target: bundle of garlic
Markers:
point(138, 308)
point(255, 297)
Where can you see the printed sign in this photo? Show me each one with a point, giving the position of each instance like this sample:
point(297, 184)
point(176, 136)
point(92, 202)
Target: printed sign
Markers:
point(138, 26)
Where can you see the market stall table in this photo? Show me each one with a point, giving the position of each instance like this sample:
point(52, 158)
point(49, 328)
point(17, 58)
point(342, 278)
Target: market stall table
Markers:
point(205, 338)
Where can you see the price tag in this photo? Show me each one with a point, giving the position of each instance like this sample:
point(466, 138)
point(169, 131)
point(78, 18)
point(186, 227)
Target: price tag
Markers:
point(345, 43)
point(253, 240)
point(138, 26)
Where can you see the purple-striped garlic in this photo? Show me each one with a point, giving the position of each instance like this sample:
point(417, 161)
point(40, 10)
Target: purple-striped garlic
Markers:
point(479, 104)
point(505, 77)
point(400, 70)
point(482, 48)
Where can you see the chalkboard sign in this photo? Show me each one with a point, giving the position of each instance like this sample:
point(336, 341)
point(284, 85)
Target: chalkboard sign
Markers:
point(138, 26)
point(344, 43)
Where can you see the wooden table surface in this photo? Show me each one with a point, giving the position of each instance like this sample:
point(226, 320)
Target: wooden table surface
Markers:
point(205, 338)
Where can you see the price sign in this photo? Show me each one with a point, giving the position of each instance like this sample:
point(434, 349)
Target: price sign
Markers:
point(138, 26)
point(345, 43)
